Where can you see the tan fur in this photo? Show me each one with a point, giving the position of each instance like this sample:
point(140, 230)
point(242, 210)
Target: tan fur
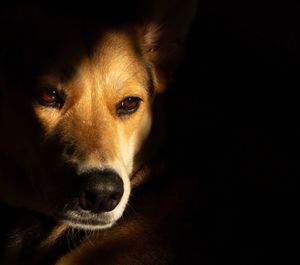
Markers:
point(54, 235)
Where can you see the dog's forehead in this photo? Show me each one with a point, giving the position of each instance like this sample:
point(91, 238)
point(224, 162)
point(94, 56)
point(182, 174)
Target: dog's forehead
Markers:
point(115, 59)
point(112, 57)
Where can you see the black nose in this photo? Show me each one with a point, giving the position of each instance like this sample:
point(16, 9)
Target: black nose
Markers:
point(99, 191)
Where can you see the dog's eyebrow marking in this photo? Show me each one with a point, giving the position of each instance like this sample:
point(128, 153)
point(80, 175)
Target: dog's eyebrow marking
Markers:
point(53, 78)
point(68, 72)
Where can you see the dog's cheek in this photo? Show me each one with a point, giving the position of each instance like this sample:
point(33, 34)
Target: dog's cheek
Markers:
point(47, 118)
point(134, 136)
point(144, 128)
point(129, 147)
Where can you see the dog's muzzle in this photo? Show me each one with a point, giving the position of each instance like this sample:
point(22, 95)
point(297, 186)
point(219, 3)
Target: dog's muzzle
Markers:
point(99, 191)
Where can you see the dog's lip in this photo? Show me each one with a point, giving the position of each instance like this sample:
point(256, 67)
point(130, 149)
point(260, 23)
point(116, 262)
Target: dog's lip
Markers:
point(78, 222)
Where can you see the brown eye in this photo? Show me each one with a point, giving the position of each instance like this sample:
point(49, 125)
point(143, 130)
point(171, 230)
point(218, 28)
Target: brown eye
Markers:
point(50, 97)
point(128, 105)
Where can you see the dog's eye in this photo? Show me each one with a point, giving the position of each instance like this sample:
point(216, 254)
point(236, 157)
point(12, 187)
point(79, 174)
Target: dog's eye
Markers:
point(128, 105)
point(50, 97)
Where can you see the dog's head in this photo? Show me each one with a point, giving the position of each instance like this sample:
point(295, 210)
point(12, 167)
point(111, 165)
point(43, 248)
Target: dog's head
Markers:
point(76, 111)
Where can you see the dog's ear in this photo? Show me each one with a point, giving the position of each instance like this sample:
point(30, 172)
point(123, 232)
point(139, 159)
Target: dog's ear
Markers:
point(163, 37)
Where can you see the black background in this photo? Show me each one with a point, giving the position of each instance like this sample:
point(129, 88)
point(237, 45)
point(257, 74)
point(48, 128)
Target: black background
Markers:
point(236, 102)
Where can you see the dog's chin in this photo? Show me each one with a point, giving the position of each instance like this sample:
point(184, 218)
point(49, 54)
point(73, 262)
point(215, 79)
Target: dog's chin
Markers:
point(87, 225)
point(87, 221)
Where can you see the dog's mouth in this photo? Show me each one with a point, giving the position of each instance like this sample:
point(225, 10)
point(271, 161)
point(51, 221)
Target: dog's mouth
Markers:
point(85, 222)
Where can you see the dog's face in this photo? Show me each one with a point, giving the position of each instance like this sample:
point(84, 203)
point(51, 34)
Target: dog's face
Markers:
point(76, 112)
point(97, 121)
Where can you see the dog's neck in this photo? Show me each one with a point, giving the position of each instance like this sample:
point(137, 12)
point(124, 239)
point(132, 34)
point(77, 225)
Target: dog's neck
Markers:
point(35, 239)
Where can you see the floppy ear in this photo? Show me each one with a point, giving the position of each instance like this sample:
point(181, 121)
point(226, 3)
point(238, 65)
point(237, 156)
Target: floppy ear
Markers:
point(163, 37)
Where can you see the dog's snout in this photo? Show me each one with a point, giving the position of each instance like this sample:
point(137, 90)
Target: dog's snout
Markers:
point(99, 191)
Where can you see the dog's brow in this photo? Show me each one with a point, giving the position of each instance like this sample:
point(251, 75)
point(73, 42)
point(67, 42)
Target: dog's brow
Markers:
point(62, 76)
point(68, 72)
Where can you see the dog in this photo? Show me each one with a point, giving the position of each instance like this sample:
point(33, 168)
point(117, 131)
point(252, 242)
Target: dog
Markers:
point(80, 111)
